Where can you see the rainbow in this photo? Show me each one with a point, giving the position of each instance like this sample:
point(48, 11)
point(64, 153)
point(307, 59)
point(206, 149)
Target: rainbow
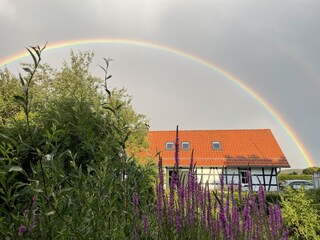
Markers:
point(192, 57)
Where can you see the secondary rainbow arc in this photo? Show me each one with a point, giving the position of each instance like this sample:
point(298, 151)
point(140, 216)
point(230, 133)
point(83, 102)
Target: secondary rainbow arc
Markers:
point(192, 57)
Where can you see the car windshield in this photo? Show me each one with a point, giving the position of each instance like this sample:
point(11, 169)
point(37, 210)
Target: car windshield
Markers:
point(297, 184)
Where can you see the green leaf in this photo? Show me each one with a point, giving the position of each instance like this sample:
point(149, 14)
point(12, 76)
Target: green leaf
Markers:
point(37, 50)
point(32, 55)
point(27, 70)
point(50, 213)
point(102, 68)
point(21, 79)
point(16, 169)
point(119, 106)
point(19, 99)
point(110, 109)
point(38, 190)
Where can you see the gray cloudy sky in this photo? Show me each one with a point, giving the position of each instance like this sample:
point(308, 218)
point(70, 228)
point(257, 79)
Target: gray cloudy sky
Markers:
point(272, 46)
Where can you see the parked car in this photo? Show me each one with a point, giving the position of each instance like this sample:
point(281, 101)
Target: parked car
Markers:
point(296, 184)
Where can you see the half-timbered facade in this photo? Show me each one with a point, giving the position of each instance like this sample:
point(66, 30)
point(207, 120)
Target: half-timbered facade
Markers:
point(232, 153)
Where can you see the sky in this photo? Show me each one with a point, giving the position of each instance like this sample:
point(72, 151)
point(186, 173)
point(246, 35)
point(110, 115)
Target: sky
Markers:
point(270, 46)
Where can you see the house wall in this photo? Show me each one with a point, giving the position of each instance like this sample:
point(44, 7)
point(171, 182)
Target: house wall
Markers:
point(211, 176)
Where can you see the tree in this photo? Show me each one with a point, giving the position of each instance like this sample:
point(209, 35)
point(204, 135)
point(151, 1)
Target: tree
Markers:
point(88, 122)
point(9, 86)
point(310, 170)
point(70, 154)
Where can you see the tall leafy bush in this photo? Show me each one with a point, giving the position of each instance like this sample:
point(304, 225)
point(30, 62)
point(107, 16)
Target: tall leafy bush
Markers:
point(68, 155)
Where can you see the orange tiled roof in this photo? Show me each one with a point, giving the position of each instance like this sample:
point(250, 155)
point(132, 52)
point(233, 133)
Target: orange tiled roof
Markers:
point(255, 148)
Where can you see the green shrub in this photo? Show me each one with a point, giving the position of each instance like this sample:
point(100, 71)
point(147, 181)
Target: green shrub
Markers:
point(273, 197)
point(282, 177)
point(299, 215)
point(68, 165)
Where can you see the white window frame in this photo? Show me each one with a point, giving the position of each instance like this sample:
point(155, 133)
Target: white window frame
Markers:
point(216, 142)
point(182, 143)
point(169, 143)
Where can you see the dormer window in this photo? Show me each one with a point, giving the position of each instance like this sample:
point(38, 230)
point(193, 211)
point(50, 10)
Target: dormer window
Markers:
point(216, 145)
point(185, 145)
point(169, 146)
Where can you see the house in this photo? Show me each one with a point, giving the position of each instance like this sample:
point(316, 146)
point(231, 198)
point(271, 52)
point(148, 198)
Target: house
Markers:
point(231, 152)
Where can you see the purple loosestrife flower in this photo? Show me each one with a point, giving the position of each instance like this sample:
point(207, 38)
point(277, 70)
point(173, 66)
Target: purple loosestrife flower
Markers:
point(256, 229)
point(209, 207)
point(190, 193)
point(240, 190)
point(222, 219)
point(135, 203)
point(32, 224)
point(275, 220)
point(160, 173)
point(232, 192)
point(181, 200)
point(192, 189)
point(145, 225)
point(178, 220)
point(160, 192)
point(171, 200)
point(136, 215)
point(202, 204)
point(246, 221)
point(159, 203)
point(272, 221)
point(221, 177)
point(192, 200)
point(22, 230)
point(261, 213)
point(235, 220)
point(262, 199)
point(227, 214)
point(222, 214)
point(285, 235)
point(176, 148)
point(135, 233)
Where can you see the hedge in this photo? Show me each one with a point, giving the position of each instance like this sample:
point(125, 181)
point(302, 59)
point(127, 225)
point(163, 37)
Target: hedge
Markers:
point(282, 177)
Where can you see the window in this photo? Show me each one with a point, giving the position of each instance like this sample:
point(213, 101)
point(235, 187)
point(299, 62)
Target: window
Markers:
point(216, 145)
point(244, 177)
point(169, 146)
point(185, 145)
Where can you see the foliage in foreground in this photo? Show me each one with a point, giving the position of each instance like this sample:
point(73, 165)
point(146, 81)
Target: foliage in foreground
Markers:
point(67, 154)
point(300, 216)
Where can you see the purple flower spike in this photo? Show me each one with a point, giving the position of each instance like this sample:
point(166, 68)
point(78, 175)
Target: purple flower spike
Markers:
point(240, 190)
point(160, 192)
point(135, 203)
point(22, 230)
point(176, 148)
point(178, 220)
point(262, 199)
point(136, 215)
point(145, 225)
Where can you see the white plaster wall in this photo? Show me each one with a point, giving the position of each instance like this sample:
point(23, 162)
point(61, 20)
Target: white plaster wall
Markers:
point(212, 177)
